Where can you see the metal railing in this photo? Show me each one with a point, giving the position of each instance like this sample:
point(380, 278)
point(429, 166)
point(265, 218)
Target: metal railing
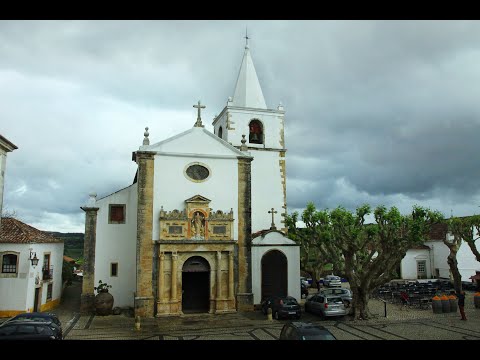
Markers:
point(47, 273)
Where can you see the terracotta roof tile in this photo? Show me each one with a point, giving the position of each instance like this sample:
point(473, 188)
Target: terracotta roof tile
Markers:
point(15, 231)
point(438, 231)
point(68, 259)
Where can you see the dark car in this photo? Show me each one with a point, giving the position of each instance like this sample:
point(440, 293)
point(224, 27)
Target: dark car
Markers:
point(305, 331)
point(38, 316)
point(282, 306)
point(29, 330)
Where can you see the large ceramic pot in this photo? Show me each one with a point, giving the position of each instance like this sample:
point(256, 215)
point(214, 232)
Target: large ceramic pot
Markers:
point(103, 303)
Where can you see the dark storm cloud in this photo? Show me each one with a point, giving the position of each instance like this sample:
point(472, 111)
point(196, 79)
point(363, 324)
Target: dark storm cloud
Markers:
point(384, 112)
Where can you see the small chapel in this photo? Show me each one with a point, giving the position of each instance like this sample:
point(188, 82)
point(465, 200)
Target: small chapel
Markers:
point(201, 228)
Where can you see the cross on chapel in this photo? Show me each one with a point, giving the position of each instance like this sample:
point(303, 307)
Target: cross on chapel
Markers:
point(272, 227)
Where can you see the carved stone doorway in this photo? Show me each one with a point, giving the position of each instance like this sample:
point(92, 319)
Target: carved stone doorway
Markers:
point(274, 274)
point(196, 285)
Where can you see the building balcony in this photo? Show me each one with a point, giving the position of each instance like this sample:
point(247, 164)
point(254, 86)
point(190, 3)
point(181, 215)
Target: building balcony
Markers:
point(47, 273)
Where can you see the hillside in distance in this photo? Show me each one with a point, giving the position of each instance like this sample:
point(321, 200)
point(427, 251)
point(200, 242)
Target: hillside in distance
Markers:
point(73, 243)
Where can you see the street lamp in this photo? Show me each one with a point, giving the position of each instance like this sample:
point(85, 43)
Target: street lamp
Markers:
point(33, 258)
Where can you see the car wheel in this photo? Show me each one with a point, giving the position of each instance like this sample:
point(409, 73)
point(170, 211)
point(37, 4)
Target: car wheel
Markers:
point(276, 316)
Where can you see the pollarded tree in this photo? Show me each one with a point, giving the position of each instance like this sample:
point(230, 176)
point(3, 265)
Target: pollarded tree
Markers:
point(461, 228)
point(368, 253)
point(313, 242)
point(312, 258)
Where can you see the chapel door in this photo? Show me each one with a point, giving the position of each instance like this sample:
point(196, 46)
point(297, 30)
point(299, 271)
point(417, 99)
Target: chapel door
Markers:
point(274, 274)
point(196, 285)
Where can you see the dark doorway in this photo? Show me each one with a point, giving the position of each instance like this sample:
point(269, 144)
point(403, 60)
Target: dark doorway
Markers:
point(195, 285)
point(36, 301)
point(274, 274)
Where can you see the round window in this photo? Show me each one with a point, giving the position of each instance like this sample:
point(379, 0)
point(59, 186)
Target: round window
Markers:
point(197, 172)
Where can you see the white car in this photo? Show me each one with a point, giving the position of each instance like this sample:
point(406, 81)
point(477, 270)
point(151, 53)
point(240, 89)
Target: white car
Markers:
point(332, 281)
point(305, 281)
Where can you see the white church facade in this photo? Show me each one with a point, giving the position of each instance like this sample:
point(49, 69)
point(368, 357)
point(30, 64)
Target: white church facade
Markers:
point(196, 232)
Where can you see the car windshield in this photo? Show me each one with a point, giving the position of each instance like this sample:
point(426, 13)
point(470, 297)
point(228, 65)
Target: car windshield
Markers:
point(289, 301)
point(313, 334)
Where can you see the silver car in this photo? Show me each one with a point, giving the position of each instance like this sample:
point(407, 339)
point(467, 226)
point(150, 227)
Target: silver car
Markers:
point(345, 294)
point(332, 280)
point(325, 305)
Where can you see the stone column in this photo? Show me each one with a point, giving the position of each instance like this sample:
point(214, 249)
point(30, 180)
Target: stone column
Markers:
point(244, 294)
point(87, 298)
point(161, 276)
point(230, 276)
point(144, 297)
point(174, 276)
point(219, 275)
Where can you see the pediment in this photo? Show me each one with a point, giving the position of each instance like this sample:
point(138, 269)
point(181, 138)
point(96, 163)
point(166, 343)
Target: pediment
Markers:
point(198, 199)
point(195, 141)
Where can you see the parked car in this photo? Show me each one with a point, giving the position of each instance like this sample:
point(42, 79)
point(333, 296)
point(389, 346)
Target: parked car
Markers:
point(282, 306)
point(306, 281)
point(29, 330)
point(325, 305)
point(332, 280)
point(38, 316)
point(305, 331)
point(345, 294)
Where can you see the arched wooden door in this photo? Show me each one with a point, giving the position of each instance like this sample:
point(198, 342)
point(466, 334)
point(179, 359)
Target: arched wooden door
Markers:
point(195, 285)
point(274, 274)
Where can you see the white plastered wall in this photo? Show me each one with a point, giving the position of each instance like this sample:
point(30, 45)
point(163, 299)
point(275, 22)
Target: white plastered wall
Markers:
point(18, 293)
point(172, 187)
point(409, 263)
point(116, 243)
point(275, 241)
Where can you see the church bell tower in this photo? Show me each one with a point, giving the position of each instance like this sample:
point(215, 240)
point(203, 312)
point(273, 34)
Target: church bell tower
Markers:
point(246, 117)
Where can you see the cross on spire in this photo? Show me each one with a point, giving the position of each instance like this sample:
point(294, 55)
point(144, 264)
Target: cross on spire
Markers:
point(246, 38)
point(199, 118)
point(272, 227)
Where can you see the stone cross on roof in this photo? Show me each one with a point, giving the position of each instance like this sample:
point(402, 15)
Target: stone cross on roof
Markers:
point(199, 118)
point(273, 227)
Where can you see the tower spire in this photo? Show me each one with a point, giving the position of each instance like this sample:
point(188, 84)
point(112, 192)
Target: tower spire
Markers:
point(248, 92)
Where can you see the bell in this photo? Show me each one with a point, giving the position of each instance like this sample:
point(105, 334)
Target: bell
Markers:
point(254, 137)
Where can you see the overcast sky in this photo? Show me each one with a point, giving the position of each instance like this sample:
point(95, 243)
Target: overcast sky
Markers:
point(379, 112)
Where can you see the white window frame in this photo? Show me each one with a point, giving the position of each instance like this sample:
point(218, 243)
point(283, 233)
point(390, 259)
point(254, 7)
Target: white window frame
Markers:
point(9, 275)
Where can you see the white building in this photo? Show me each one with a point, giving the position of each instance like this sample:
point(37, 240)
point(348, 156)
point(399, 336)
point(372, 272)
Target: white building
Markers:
point(5, 147)
point(429, 260)
point(24, 287)
point(179, 239)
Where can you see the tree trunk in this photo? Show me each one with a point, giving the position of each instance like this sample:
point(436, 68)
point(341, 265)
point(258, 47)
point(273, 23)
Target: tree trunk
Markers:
point(474, 249)
point(360, 303)
point(453, 264)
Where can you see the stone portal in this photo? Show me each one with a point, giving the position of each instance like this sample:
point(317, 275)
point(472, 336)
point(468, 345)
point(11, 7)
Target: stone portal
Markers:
point(195, 285)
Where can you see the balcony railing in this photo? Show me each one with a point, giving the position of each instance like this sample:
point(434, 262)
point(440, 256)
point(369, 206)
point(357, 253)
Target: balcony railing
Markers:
point(47, 273)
